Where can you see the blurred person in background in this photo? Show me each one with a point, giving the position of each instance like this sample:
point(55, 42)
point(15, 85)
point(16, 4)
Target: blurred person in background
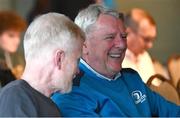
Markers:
point(52, 47)
point(11, 28)
point(142, 32)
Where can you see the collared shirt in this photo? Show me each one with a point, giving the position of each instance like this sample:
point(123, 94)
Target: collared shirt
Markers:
point(98, 74)
point(141, 63)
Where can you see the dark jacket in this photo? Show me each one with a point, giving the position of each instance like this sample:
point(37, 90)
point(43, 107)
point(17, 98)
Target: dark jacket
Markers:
point(6, 75)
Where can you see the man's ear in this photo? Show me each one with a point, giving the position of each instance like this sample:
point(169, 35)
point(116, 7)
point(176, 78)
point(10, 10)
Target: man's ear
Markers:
point(85, 49)
point(59, 57)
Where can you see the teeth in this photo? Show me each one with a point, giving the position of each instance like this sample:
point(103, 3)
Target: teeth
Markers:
point(115, 55)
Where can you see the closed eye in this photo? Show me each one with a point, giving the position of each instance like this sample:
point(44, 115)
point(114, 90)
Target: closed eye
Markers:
point(124, 35)
point(110, 37)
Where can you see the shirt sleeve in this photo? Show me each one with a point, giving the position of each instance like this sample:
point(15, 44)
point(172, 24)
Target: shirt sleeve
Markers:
point(16, 103)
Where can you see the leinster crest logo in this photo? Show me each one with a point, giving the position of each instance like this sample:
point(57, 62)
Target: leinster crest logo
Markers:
point(138, 96)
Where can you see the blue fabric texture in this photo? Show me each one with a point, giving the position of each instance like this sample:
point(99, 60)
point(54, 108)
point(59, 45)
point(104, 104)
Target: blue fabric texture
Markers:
point(110, 3)
point(125, 96)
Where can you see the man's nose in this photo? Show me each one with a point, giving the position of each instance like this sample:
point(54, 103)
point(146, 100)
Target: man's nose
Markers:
point(149, 45)
point(120, 42)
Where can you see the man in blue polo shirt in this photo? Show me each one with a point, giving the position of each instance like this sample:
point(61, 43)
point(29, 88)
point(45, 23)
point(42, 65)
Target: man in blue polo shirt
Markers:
point(103, 88)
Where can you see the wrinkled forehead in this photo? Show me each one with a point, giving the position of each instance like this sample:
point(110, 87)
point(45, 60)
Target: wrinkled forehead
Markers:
point(109, 22)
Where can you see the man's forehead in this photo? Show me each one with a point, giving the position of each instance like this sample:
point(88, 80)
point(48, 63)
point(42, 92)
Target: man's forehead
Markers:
point(109, 22)
point(147, 29)
point(107, 17)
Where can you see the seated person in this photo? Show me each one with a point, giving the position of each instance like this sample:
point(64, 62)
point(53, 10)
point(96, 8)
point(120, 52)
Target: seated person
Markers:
point(103, 88)
point(142, 32)
point(53, 46)
point(11, 27)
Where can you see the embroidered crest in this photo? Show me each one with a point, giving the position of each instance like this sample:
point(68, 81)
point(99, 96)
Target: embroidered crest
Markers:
point(138, 96)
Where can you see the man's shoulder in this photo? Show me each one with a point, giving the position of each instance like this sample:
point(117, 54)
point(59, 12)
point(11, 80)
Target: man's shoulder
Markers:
point(81, 90)
point(129, 71)
point(131, 75)
point(13, 88)
point(145, 56)
point(12, 95)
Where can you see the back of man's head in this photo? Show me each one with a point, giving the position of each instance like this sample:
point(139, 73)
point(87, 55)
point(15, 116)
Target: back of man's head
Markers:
point(49, 32)
point(135, 16)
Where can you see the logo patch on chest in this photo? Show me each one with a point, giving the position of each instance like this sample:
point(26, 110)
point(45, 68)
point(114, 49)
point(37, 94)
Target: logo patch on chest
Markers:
point(138, 96)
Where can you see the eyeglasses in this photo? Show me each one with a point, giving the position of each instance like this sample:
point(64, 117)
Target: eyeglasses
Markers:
point(147, 39)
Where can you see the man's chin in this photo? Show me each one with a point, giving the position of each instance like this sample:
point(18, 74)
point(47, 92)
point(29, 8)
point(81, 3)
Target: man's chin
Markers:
point(114, 71)
point(67, 89)
point(142, 52)
point(116, 67)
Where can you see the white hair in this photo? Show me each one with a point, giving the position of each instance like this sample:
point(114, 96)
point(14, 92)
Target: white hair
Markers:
point(49, 32)
point(88, 17)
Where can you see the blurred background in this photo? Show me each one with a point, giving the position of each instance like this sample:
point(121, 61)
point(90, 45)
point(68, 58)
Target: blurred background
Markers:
point(165, 12)
point(167, 17)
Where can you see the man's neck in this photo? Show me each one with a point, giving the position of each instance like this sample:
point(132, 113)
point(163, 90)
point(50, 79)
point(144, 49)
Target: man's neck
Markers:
point(39, 84)
point(105, 76)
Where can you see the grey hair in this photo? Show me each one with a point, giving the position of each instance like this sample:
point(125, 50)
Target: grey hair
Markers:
point(87, 17)
point(49, 32)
